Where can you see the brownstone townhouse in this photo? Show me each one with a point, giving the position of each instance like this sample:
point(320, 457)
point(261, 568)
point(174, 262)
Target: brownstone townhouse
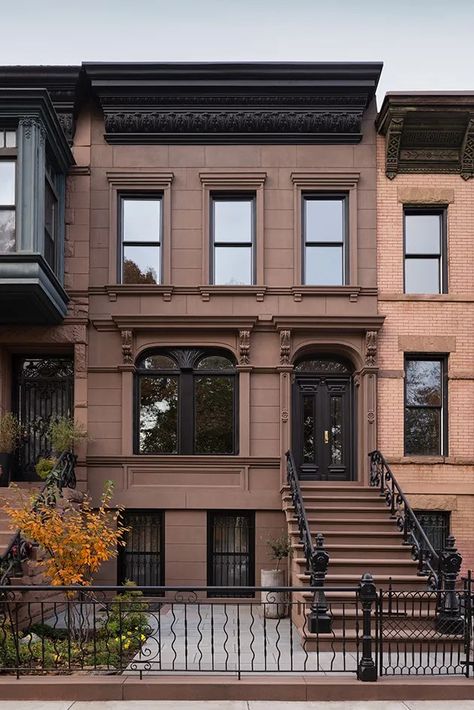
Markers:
point(210, 265)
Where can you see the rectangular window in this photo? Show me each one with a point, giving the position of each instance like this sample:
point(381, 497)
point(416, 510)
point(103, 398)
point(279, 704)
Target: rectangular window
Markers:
point(50, 220)
point(7, 191)
point(232, 238)
point(425, 250)
point(141, 560)
point(324, 240)
point(141, 238)
point(425, 406)
point(435, 524)
point(231, 551)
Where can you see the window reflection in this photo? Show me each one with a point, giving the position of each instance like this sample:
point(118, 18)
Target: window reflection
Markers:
point(232, 239)
point(324, 240)
point(141, 240)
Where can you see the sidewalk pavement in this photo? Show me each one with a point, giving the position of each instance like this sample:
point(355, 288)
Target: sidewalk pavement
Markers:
point(235, 705)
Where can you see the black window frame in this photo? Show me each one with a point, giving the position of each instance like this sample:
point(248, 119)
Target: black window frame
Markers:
point(122, 551)
point(325, 196)
point(54, 234)
point(431, 357)
point(422, 515)
point(186, 375)
point(10, 155)
point(441, 211)
point(138, 195)
point(240, 196)
point(211, 516)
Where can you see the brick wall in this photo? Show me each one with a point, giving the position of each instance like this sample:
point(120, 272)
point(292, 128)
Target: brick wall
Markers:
point(438, 324)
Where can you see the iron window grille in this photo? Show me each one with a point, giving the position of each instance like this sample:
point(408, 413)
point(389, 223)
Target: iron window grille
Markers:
point(436, 525)
point(186, 402)
point(426, 411)
point(325, 237)
point(141, 560)
point(232, 224)
point(425, 267)
point(141, 237)
point(231, 552)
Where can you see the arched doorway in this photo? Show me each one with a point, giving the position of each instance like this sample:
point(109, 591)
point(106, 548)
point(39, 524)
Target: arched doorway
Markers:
point(323, 419)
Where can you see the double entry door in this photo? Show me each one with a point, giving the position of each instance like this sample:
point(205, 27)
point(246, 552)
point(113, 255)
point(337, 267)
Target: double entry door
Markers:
point(322, 437)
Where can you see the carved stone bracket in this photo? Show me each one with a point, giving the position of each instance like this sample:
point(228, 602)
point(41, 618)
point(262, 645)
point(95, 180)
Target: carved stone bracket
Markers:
point(244, 347)
point(371, 348)
point(394, 137)
point(467, 152)
point(285, 347)
point(127, 347)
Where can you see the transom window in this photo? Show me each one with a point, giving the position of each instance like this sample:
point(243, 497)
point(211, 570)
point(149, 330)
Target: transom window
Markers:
point(141, 239)
point(425, 406)
point(186, 403)
point(425, 248)
point(324, 239)
point(232, 238)
point(7, 191)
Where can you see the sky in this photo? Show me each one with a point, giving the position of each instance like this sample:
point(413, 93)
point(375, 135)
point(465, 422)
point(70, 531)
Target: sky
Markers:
point(424, 44)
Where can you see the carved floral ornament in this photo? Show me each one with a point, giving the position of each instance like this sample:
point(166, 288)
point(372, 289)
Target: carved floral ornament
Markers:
point(127, 347)
point(371, 348)
point(285, 347)
point(244, 347)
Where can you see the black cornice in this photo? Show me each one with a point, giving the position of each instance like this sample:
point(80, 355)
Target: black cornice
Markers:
point(428, 132)
point(62, 83)
point(36, 104)
point(267, 102)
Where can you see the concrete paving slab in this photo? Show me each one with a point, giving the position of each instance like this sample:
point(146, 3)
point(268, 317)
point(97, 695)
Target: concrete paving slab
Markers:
point(331, 705)
point(36, 704)
point(162, 705)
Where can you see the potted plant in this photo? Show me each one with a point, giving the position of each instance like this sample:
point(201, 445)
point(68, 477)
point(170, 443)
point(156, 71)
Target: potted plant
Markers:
point(9, 433)
point(64, 433)
point(275, 603)
point(44, 466)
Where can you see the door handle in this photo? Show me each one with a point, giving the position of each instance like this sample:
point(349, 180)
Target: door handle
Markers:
point(326, 437)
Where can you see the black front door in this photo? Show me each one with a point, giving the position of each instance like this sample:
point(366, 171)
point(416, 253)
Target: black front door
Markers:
point(43, 391)
point(322, 427)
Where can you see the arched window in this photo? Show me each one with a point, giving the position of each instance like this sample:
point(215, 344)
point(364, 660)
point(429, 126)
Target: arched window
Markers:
point(186, 402)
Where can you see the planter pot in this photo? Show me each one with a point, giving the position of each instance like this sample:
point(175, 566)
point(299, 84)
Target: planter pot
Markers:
point(6, 461)
point(275, 604)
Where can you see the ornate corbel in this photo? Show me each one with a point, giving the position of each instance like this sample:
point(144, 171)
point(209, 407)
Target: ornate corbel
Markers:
point(393, 141)
point(127, 347)
point(371, 348)
point(467, 152)
point(285, 345)
point(244, 347)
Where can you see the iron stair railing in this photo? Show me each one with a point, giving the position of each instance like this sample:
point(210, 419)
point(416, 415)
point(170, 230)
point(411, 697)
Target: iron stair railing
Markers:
point(61, 476)
point(317, 558)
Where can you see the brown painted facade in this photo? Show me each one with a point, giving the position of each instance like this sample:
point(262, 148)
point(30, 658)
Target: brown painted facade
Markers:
point(266, 327)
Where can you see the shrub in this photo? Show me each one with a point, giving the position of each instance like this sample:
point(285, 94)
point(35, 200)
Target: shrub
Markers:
point(9, 433)
point(65, 433)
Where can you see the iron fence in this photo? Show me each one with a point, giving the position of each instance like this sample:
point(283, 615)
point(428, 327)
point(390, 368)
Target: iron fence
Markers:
point(146, 631)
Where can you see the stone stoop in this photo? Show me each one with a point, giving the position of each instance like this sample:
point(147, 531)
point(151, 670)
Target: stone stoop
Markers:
point(360, 536)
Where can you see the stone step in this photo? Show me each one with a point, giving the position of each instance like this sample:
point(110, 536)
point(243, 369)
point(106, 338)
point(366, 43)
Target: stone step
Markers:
point(377, 566)
point(331, 500)
point(356, 549)
point(326, 524)
point(366, 512)
point(382, 581)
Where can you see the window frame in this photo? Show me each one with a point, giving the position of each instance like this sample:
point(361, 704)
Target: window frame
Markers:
point(237, 196)
point(211, 516)
point(442, 211)
point(139, 195)
point(444, 443)
point(49, 182)
point(186, 377)
point(316, 195)
point(10, 155)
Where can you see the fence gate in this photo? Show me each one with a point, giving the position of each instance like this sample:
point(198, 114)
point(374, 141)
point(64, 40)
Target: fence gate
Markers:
point(414, 639)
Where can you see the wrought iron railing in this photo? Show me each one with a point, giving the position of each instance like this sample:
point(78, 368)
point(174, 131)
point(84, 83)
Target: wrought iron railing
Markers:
point(148, 631)
point(61, 476)
point(423, 552)
point(317, 558)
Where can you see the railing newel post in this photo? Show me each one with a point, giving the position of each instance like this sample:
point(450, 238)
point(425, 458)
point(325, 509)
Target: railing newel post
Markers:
point(367, 668)
point(450, 619)
point(319, 618)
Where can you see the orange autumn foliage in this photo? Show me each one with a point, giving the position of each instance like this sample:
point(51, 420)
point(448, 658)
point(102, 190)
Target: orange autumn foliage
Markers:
point(77, 538)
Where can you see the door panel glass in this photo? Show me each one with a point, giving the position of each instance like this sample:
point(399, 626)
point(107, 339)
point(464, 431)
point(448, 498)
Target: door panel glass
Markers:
point(308, 430)
point(336, 431)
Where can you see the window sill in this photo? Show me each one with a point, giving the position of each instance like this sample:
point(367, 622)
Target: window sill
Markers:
point(427, 297)
point(430, 460)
